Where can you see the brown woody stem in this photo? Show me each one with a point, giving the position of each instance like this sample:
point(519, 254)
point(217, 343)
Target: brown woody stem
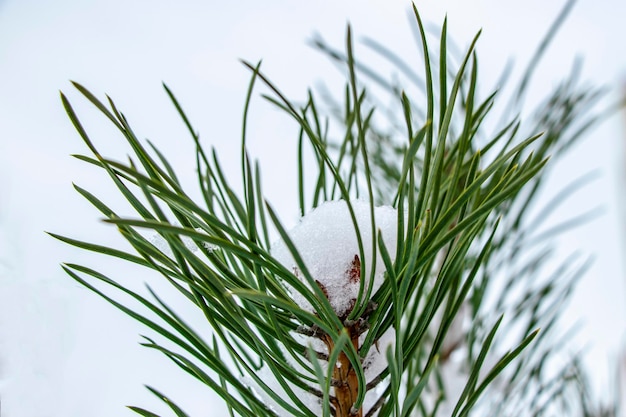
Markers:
point(345, 381)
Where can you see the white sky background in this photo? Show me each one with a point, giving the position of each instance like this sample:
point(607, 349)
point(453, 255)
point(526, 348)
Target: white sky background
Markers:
point(64, 351)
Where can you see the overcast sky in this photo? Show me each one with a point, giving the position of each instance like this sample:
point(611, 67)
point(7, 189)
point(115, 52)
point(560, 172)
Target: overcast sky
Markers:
point(63, 351)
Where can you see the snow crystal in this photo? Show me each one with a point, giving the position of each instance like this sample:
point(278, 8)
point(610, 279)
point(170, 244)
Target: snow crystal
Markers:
point(161, 244)
point(327, 242)
point(372, 396)
point(376, 360)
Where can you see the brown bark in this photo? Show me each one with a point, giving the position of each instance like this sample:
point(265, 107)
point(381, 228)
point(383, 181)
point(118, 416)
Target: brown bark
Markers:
point(345, 380)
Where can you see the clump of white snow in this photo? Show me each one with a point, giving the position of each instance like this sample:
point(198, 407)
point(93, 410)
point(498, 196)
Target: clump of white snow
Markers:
point(327, 242)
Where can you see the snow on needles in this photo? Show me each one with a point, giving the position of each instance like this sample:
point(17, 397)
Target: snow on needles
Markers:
point(327, 242)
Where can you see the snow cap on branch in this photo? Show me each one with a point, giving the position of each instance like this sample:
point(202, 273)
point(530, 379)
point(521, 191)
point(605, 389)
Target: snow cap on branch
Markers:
point(326, 240)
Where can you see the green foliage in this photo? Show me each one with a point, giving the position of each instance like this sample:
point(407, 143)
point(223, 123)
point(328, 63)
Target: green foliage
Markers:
point(462, 198)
